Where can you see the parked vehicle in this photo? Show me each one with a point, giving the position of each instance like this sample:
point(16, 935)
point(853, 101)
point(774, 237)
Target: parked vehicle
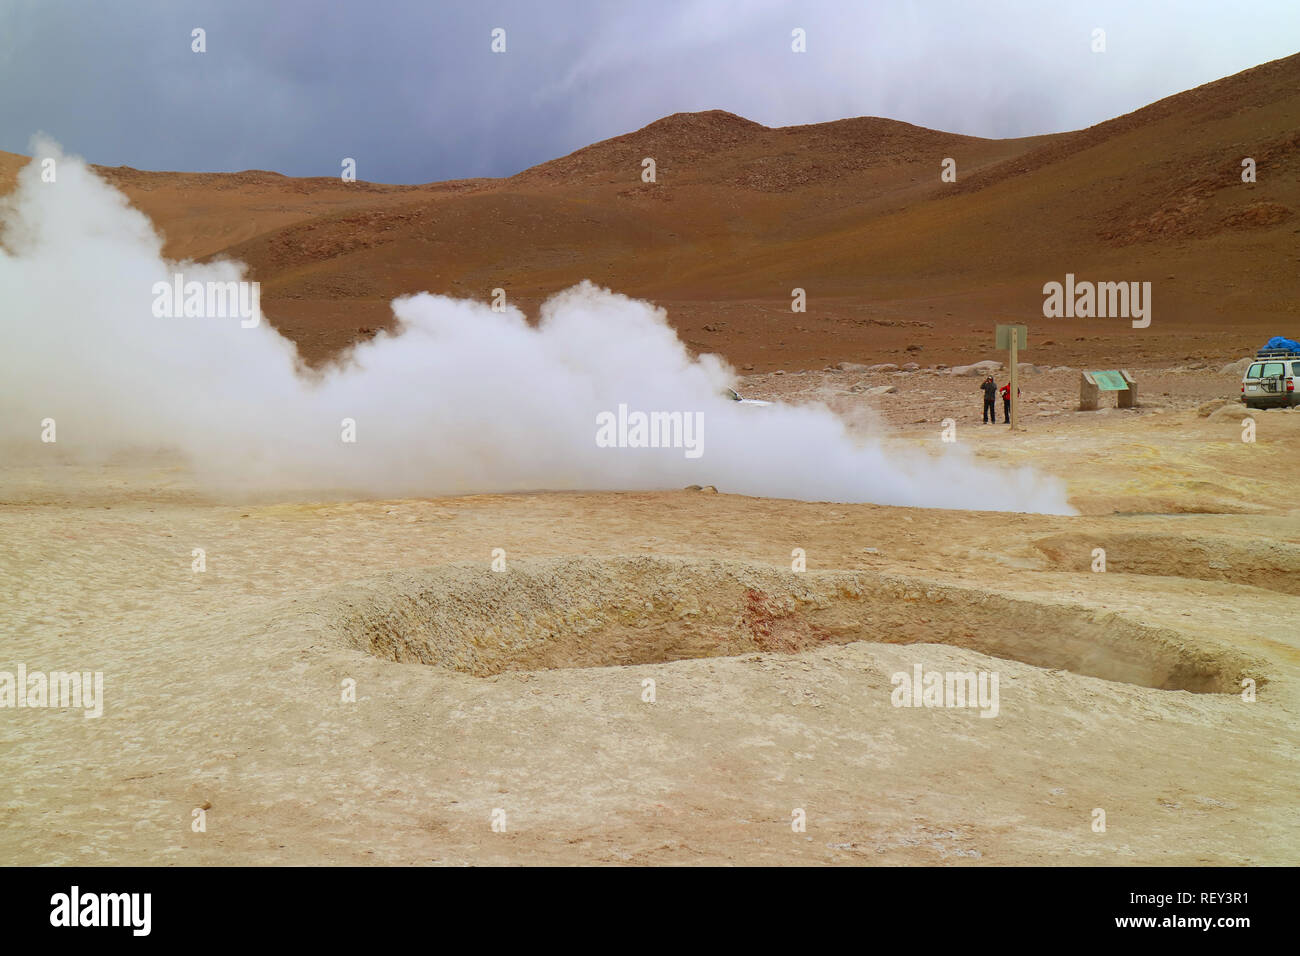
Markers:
point(1270, 380)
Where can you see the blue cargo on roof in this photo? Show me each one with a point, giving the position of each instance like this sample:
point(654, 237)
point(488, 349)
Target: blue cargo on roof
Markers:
point(1282, 342)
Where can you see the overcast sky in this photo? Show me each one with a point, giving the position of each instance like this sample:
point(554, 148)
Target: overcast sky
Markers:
point(412, 90)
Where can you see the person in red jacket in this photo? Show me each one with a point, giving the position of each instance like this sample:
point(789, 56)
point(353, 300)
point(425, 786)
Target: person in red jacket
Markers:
point(1006, 402)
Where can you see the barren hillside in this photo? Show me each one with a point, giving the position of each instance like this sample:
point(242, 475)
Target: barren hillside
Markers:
point(854, 212)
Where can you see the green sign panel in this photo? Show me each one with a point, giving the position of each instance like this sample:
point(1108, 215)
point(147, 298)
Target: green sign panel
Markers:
point(1004, 336)
point(1110, 381)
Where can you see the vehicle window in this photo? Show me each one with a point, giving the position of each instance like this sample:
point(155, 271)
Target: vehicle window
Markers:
point(1274, 368)
point(1295, 369)
point(1254, 370)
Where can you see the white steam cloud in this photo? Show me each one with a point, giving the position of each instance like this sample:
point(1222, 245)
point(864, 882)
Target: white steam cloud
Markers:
point(460, 399)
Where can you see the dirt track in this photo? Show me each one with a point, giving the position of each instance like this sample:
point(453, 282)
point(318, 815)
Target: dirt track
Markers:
point(224, 687)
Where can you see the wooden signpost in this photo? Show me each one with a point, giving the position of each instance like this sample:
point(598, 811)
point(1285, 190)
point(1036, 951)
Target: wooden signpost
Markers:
point(1013, 337)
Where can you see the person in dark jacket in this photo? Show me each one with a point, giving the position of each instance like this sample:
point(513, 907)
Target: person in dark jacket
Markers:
point(990, 388)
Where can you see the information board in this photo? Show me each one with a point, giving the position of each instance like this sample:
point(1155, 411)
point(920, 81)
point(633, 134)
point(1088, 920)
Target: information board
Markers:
point(1004, 333)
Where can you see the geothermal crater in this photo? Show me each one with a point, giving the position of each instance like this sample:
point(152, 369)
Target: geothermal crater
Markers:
point(618, 610)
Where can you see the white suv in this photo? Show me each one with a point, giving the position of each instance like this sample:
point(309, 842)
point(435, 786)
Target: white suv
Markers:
point(1270, 380)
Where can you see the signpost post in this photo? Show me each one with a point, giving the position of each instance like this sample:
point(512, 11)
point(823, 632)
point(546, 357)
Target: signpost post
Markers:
point(1013, 337)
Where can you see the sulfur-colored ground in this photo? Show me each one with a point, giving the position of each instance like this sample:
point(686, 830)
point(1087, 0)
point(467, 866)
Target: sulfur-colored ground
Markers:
point(224, 688)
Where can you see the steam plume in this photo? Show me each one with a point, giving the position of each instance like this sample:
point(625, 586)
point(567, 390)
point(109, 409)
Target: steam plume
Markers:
point(460, 399)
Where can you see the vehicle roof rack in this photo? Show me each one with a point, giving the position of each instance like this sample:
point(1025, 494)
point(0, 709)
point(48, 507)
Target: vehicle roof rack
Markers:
point(1278, 353)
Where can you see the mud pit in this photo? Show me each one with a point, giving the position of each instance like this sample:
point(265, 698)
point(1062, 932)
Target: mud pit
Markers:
point(1273, 565)
point(598, 612)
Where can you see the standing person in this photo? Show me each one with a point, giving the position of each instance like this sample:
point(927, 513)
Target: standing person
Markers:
point(990, 388)
point(1006, 403)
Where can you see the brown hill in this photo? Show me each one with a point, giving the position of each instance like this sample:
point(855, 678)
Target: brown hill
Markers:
point(854, 212)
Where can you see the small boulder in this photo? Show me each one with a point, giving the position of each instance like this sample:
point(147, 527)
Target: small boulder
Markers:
point(1234, 411)
point(1206, 409)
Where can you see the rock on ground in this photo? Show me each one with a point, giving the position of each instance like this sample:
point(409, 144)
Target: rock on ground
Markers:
point(979, 368)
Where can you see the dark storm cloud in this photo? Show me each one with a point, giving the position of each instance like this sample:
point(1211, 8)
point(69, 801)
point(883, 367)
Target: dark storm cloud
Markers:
point(412, 91)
